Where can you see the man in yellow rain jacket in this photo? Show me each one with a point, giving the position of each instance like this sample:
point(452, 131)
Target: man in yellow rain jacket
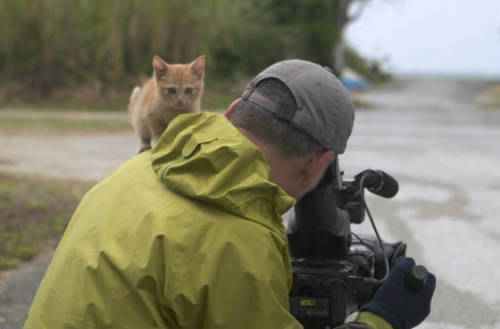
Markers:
point(190, 234)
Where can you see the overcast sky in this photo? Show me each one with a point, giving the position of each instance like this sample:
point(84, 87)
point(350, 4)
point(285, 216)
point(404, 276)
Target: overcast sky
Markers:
point(431, 36)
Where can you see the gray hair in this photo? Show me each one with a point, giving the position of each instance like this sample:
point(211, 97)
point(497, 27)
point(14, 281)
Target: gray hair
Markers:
point(279, 133)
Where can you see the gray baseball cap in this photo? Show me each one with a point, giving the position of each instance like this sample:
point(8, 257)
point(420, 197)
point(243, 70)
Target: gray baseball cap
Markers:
point(325, 108)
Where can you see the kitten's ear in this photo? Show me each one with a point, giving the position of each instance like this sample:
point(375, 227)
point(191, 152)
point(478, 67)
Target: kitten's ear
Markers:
point(160, 67)
point(198, 67)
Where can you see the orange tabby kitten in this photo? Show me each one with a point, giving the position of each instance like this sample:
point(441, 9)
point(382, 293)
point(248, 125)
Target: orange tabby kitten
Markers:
point(173, 89)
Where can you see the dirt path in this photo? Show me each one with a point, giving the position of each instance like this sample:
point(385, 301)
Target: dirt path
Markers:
point(17, 290)
point(80, 157)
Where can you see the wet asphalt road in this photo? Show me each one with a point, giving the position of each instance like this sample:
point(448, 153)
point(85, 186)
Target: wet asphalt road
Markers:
point(428, 133)
point(444, 151)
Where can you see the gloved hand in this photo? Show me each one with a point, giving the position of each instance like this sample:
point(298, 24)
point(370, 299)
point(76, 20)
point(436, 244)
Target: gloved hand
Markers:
point(401, 307)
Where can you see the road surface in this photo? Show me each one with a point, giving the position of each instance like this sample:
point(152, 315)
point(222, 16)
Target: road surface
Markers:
point(428, 133)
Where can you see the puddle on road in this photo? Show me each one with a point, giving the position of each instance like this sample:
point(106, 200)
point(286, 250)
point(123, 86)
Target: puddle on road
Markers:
point(7, 162)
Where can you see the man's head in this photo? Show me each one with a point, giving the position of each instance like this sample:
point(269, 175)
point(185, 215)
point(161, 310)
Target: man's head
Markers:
point(300, 116)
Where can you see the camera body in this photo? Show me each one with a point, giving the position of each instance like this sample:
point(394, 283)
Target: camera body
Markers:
point(334, 270)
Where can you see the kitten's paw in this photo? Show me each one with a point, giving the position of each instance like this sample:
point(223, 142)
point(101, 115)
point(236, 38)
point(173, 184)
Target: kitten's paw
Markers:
point(144, 148)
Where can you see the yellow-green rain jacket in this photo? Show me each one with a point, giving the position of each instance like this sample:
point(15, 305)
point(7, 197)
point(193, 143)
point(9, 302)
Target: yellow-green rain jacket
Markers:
point(188, 235)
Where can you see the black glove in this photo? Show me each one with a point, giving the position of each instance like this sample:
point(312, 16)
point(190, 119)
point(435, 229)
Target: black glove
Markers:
point(401, 307)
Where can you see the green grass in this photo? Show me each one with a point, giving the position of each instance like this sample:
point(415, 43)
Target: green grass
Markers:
point(33, 214)
point(71, 103)
point(490, 98)
point(359, 102)
point(218, 102)
point(12, 122)
point(214, 99)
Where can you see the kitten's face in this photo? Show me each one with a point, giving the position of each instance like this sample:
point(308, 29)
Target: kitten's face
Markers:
point(180, 85)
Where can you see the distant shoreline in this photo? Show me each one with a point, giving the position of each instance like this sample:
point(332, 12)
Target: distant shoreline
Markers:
point(447, 75)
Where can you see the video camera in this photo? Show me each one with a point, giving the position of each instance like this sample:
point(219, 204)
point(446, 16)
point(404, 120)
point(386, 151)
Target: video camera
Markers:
point(336, 271)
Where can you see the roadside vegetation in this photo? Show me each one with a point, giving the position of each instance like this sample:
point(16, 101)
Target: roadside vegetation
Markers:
point(490, 98)
point(90, 54)
point(370, 69)
point(60, 123)
point(34, 212)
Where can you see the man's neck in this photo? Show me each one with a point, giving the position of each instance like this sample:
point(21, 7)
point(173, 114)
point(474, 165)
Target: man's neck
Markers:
point(285, 170)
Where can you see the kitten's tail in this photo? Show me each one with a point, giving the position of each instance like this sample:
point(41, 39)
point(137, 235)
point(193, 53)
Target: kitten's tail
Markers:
point(134, 93)
point(130, 104)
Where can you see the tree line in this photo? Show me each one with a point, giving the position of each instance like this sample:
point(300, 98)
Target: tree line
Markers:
point(49, 43)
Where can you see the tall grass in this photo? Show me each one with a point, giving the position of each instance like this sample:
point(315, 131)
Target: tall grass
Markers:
point(47, 43)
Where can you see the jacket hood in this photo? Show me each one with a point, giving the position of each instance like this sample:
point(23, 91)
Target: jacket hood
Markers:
point(204, 157)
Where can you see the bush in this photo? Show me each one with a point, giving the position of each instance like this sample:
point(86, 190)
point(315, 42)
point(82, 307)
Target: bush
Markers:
point(49, 44)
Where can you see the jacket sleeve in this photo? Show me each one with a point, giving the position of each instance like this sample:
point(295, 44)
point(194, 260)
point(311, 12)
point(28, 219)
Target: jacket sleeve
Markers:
point(367, 320)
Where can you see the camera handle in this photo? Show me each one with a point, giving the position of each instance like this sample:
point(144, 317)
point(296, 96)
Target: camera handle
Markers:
point(416, 279)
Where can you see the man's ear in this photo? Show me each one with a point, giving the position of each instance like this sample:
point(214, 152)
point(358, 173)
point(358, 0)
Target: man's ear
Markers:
point(232, 107)
point(316, 166)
